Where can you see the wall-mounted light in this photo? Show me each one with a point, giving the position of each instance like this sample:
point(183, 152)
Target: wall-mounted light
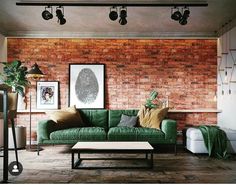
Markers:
point(46, 14)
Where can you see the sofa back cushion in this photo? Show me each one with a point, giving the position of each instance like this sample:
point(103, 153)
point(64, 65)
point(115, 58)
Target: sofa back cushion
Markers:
point(115, 116)
point(95, 118)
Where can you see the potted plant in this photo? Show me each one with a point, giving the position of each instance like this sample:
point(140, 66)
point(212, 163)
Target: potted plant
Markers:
point(14, 75)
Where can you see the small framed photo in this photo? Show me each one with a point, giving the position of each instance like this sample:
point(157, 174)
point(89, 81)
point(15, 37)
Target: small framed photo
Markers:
point(47, 94)
point(86, 86)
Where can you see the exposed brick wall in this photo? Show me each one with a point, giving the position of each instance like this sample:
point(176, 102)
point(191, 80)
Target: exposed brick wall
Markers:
point(183, 70)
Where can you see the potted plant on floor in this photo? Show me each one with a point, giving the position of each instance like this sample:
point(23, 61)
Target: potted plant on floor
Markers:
point(14, 76)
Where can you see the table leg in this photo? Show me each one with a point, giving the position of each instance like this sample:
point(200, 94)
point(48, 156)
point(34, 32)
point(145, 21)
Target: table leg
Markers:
point(72, 160)
point(151, 160)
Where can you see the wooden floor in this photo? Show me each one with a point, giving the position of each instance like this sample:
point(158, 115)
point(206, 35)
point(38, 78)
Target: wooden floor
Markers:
point(54, 166)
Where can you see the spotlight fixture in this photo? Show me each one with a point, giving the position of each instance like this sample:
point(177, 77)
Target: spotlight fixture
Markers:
point(176, 15)
point(123, 15)
point(46, 14)
point(184, 18)
point(181, 17)
point(113, 15)
point(60, 15)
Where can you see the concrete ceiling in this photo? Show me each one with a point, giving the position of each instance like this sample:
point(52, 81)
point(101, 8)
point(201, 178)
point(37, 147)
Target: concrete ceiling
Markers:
point(26, 21)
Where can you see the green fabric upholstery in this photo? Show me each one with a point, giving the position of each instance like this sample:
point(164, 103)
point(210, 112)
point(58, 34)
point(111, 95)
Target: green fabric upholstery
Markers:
point(99, 121)
point(45, 127)
point(122, 134)
point(115, 116)
point(92, 134)
point(152, 135)
point(80, 134)
point(95, 118)
point(169, 127)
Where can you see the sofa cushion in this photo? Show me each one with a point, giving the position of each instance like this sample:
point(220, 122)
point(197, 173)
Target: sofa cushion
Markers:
point(80, 134)
point(135, 134)
point(95, 118)
point(115, 116)
point(122, 134)
point(127, 121)
point(92, 134)
point(68, 117)
point(152, 118)
point(150, 134)
point(65, 134)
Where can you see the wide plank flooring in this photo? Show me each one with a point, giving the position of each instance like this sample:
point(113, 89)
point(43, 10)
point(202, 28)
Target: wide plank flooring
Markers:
point(53, 165)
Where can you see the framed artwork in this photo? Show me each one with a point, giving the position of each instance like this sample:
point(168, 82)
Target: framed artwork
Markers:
point(47, 95)
point(86, 86)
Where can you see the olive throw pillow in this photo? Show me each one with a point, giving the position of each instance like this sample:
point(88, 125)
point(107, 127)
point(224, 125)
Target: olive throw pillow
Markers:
point(69, 117)
point(152, 118)
point(127, 121)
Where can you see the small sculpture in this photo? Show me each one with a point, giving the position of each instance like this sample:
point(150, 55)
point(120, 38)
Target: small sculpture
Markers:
point(152, 101)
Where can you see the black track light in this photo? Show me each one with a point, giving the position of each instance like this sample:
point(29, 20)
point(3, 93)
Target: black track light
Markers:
point(184, 19)
point(113, 15)
point(176, 15)
point(181, 17)
point(46, 14)
point(123, 15)
point(60, 15)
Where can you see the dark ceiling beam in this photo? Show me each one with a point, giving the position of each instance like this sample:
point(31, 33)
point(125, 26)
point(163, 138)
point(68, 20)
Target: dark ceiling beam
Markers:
point(95, 4)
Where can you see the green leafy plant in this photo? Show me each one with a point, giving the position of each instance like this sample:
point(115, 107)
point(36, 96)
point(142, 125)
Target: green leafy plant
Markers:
point(14, 75)
point(150, 101)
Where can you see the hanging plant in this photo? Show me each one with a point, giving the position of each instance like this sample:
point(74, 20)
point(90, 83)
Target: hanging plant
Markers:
point(14, 75)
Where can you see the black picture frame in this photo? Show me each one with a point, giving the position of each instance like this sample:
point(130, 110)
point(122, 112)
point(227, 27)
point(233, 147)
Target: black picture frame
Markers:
point(47, 94)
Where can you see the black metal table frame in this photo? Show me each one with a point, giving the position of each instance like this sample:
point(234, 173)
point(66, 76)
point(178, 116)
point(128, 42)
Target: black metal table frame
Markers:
point(76, 164)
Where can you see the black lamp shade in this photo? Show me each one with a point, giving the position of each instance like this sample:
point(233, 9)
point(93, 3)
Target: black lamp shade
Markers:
point(35, 72)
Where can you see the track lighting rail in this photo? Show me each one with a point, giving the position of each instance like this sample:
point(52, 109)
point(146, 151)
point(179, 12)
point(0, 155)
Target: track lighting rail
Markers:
point(115, 3)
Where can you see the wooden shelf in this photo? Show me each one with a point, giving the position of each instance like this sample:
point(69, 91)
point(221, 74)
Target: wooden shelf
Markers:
point(195, 110)
point(171, 110)
point(37, 111)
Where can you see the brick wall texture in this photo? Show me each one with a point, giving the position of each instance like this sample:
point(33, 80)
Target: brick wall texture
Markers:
point(184, 70)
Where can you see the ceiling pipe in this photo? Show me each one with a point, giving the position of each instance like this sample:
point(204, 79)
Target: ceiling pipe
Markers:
point(125, 3)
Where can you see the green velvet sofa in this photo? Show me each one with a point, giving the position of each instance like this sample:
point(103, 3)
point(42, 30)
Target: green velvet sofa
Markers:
point(102, 126)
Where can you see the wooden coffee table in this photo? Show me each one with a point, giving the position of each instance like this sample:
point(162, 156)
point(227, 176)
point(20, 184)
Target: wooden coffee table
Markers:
point(112, 147)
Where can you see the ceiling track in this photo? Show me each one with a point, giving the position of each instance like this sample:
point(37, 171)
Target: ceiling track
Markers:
point(100, 4)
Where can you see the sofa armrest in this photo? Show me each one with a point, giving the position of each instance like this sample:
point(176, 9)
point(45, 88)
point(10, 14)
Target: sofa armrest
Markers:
point(169, 127)
point(45, 127)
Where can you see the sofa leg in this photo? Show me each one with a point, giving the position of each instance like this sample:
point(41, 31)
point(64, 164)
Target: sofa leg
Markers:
point(175, 148)
point(38, 149)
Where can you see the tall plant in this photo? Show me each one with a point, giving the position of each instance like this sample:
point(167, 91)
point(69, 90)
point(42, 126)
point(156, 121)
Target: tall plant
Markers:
point(14, 75)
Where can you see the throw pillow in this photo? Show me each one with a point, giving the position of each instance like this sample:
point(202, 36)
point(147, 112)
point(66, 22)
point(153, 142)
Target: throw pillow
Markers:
point(69, 117)
point(127, 121)
point(152, 118)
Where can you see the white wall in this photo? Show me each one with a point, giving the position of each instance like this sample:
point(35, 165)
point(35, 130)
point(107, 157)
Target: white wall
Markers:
point(227, 102)
point(3, 57)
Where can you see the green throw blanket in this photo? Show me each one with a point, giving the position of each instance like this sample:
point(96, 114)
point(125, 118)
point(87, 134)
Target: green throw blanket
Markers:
point(215, 140)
